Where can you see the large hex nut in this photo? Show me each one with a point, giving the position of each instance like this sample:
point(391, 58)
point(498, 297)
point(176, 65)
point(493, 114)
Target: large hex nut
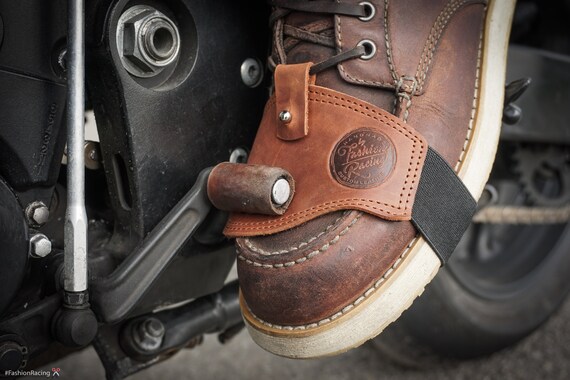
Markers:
point(147, 41)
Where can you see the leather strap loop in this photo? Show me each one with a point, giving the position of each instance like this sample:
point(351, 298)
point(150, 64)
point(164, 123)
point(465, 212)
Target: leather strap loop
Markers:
point(292, 100)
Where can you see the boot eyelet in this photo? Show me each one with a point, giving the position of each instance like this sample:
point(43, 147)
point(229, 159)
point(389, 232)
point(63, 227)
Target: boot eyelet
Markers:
point(369, 49)
point(370, 11)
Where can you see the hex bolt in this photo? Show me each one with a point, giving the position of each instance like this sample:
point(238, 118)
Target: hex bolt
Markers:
point(147, 41)
point(148, 334)
point(154, 328)
point(40, 246)
point(37, 214)
point(251, 72)
point(281, 191)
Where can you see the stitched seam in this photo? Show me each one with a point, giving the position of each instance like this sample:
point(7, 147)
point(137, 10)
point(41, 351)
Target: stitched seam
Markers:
point(260, 225)
point(474, 103)
point(431, 42)
point(309, 256)
point(278, 41)
point(392, 123)
point(255, 249)
point(435, 35)
point(339, 36)
point(389, 44)
point(341, 66)
point(347, 308)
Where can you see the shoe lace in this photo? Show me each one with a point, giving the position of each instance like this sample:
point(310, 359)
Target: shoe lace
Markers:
point(318, 33)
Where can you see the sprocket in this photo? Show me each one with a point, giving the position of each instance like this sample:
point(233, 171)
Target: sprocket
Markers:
point(544, 172)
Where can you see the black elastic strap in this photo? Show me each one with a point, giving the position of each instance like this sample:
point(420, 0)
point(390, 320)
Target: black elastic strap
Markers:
point(443, 207)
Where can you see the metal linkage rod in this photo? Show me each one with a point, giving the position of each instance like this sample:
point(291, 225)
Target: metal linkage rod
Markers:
point(75, 272)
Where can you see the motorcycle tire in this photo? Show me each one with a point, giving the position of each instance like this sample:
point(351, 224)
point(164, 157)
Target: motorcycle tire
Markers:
point(489, 296)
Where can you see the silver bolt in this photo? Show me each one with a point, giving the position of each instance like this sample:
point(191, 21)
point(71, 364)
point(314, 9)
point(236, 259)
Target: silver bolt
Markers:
point(251, 72)
point(40, 246)
point(147, 41)
point(148, 334)
point(154, 328)
point(37, 214)
point(285, 116)
point(280, 192)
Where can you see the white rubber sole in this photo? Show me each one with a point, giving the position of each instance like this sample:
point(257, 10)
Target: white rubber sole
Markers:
point(421, 264)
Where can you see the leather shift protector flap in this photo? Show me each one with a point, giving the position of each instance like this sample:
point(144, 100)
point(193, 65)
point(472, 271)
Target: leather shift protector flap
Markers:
point(355, 156)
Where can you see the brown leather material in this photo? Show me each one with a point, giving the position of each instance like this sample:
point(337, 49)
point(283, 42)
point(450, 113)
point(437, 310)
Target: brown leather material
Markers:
point(302, 52)
point(292, 96)
point(349, 31)
point(312, 272)
point(405, 50)
point(357, 157)
point(247, 188)
point(319, 287)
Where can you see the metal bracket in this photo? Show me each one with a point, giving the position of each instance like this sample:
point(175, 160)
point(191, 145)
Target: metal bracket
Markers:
point(114, 297)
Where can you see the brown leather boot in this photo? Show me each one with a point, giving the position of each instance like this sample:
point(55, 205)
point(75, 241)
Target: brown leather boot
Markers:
point(387, 114)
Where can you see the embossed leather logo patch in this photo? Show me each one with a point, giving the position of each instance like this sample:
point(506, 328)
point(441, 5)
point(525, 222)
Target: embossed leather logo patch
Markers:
point(363, 159)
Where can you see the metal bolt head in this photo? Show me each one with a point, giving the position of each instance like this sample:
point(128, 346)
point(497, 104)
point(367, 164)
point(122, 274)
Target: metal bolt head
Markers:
point(281, 192)
point(147, 41)
point(285, 116)
point(154, 327)
point(251, 72)
point(41, 215)
point(148, 334)
point(37, 214)
point(40, 246)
